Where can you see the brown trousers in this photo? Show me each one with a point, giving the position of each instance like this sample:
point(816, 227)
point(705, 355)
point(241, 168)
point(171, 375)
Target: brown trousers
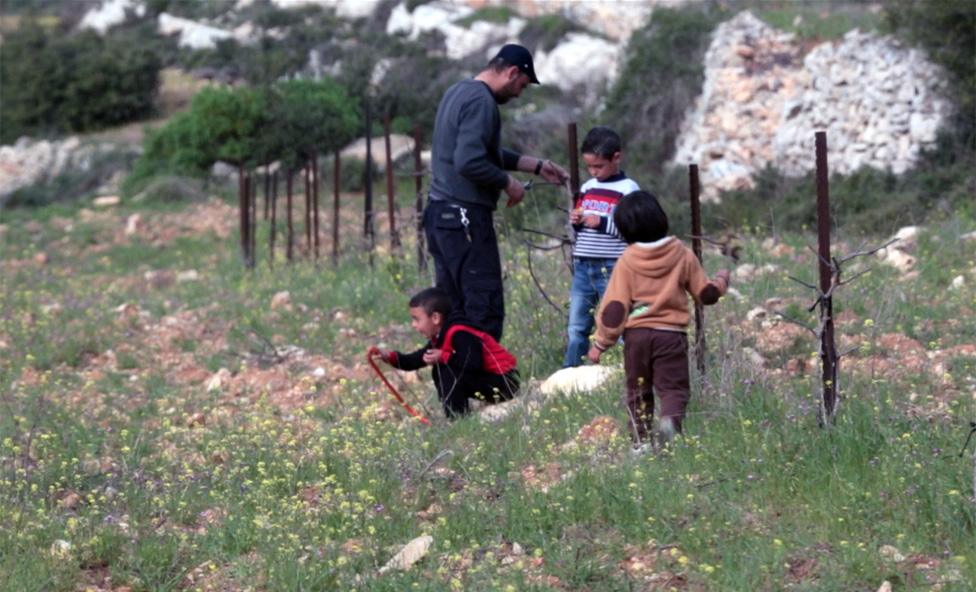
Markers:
point(658, 359)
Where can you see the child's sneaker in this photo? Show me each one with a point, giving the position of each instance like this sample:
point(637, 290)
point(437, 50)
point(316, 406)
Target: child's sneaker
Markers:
point(665, 433)
point(638, 450)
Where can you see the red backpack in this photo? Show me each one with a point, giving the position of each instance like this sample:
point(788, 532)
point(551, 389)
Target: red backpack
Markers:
point(495, 358)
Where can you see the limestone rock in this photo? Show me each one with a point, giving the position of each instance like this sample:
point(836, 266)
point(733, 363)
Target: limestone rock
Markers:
point(411, 553)
point(880, 103)
point(578, 379)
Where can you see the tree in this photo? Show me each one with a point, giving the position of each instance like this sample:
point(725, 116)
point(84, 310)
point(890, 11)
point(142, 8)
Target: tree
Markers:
point(52, 85)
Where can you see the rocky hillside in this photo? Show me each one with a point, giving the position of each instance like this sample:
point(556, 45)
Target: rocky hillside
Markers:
point(763, 99)
point(765, 92)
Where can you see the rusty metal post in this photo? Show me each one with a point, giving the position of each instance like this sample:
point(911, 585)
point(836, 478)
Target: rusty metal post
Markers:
point(243, 210)
point(390, 206)
point(418, 171)
point(574, 183)
point(252, 200)
point(289, 253)
point(274, 217)
point(828, 350)
point(315, 201)
point(574, 173)
point(267, 189)
point(368, 232)
point(694, 184)
point(336, 185)
point(307, 174)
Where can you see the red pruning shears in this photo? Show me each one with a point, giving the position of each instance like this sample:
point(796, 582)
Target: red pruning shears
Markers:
point(371, 356)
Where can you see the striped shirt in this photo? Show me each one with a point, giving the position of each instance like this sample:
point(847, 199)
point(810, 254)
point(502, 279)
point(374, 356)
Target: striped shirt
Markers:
point(600, 198)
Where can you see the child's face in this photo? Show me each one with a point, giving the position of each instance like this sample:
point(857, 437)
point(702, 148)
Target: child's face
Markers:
point(428, 325)
point(600, 167)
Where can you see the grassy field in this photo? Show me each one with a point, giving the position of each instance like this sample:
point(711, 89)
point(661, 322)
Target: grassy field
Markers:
point(168, 423)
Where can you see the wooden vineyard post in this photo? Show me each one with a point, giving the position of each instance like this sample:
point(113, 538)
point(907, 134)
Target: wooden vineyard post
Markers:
point(390, 197)
point(828, 350)
point(418, 171)
point(336, 185)
point(368, 232)
point(694, 184)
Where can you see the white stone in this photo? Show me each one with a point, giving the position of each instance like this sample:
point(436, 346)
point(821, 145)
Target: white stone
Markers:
point(190, 275)
point(442, 16)
point(350, 9)
point(110, 13)
point(411, 553)
point(281, 300)
point(400, 146)
point(218, 380)
point(879, 103)
point(132, 224)
point(106, 201)
point(958, 282)
point(580, 60)
point(758, 313)
point(577, 379)
point(192, 34)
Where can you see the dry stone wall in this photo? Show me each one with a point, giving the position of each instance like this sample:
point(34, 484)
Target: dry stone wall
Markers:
point(763, 100)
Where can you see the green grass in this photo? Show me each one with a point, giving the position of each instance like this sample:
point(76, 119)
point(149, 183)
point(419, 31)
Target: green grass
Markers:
point(179, 488)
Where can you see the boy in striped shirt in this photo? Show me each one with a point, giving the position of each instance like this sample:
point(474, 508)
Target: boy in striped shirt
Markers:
point(598, 244)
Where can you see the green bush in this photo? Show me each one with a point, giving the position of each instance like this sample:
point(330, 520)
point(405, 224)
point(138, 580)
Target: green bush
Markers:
point(51, 84)
point(545, 32)
point(250, 127)
point(663, 74)
point(867, 201)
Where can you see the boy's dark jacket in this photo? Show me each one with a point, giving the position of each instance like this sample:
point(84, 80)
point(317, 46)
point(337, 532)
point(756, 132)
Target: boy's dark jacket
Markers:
point(465, 349)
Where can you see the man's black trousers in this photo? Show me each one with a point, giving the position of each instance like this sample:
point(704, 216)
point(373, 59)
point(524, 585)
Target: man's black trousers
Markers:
point(462, 242)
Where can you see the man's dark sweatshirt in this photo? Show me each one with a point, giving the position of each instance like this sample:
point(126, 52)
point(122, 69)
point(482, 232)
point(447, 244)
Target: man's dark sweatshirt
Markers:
point(468, 163)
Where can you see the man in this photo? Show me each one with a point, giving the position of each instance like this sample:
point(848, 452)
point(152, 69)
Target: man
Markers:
point(468, 168)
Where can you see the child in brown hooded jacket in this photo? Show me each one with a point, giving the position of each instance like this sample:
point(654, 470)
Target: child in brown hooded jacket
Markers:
point(646, 301)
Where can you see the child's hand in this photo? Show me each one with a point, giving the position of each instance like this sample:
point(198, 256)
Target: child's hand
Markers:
point(432, 356)
point(725, 275)
point(591, 221)
point(594, 354)
point(576, 216)
point(375, 352)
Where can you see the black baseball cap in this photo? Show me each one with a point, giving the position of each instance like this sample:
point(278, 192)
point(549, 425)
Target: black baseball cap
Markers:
point(517, 55)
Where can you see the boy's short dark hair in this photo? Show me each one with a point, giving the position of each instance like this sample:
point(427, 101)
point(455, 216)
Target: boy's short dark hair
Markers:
point(432, 300)
point(640, 218)
point(602, 141)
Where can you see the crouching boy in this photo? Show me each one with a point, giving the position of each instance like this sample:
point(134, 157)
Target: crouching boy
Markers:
point(467, 363)
point(646, 302)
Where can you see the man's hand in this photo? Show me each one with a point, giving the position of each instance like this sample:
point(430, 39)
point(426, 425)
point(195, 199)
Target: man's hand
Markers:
point(594, 354)
point(553, 173)
point(433, 356)
point(515, 191)
point(725, 275)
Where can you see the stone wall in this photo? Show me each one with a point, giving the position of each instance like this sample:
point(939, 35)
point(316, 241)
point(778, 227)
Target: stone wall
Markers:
point(763, 100)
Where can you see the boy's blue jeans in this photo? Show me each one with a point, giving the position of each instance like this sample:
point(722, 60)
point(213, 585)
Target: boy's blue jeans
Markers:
point(590, 277)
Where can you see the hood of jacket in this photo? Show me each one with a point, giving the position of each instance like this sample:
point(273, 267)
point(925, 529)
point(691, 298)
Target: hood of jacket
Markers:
point(654, 261)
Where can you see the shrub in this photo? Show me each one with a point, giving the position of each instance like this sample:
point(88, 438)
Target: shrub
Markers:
point(868, 200)
point(250, 127)
point(51, 84)
point(545, 32)
point(663, 74)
